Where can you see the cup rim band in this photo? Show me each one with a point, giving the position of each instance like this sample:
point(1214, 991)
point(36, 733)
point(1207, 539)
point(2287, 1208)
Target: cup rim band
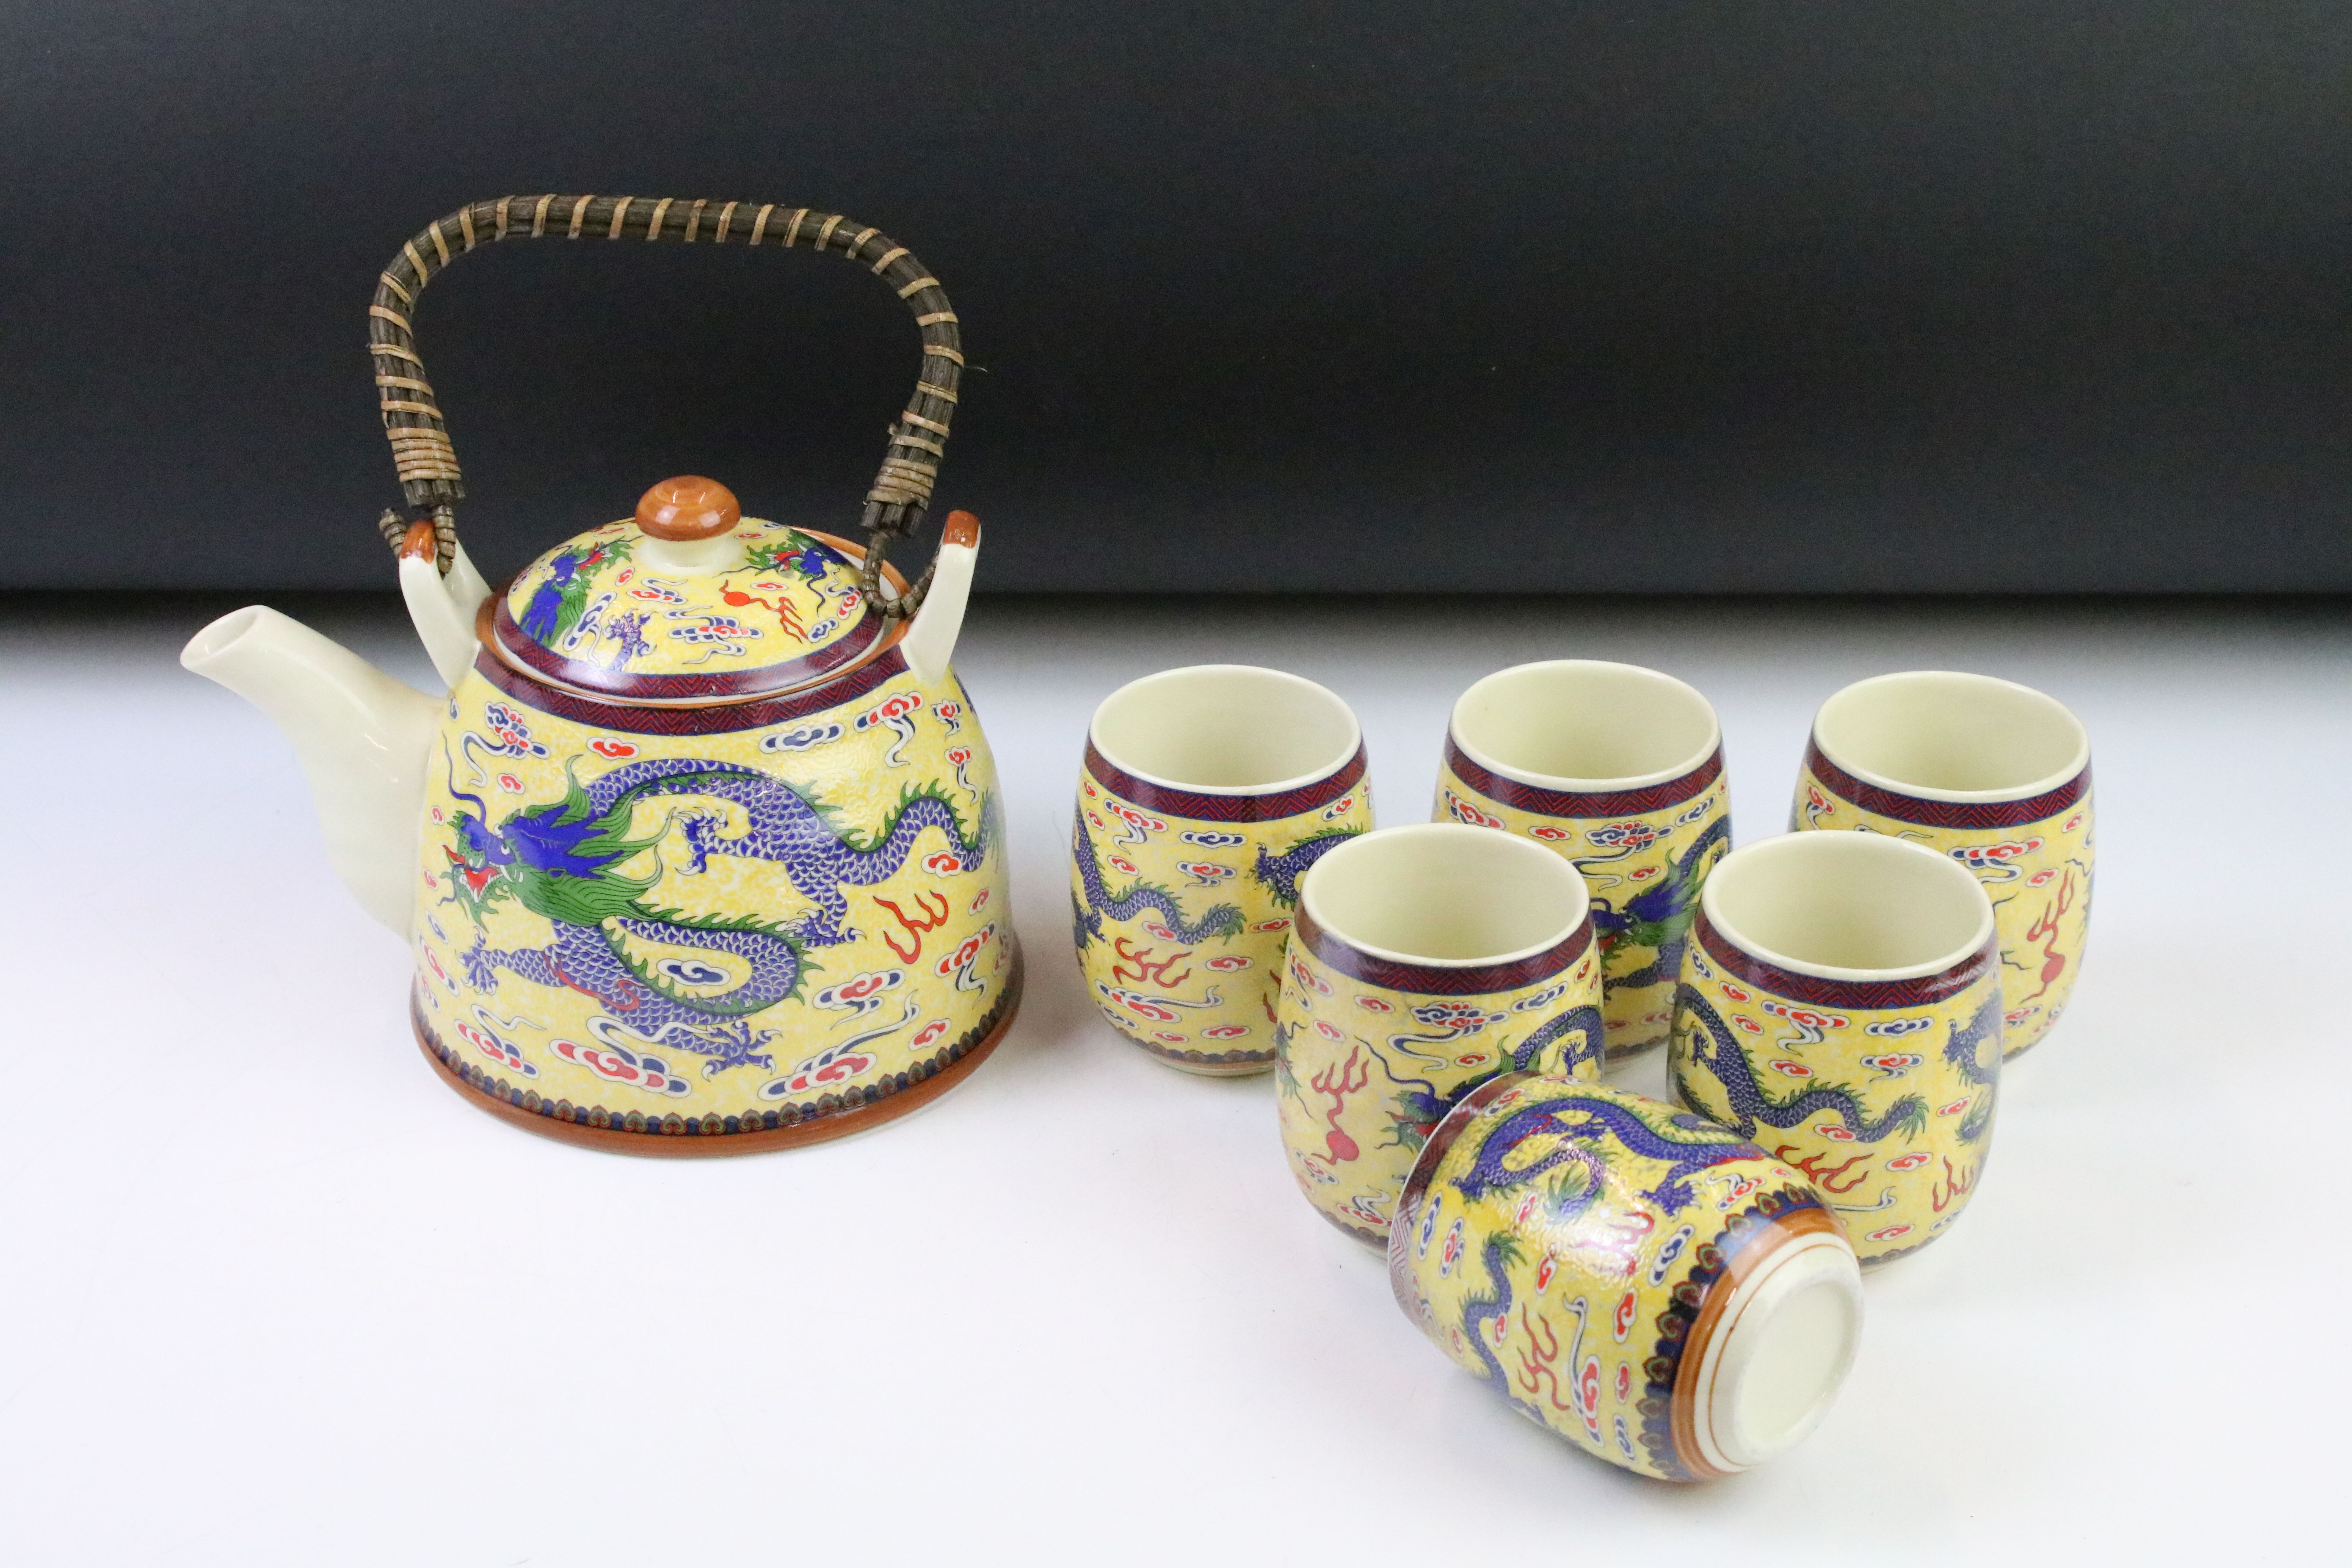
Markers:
point(1437, 976)
point(1540, 800)
point(1226, 805)
point(1965, 815)
point(1916, 991)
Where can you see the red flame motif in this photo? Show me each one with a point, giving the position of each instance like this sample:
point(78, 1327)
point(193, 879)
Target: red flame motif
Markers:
point(1955, 1184)
point(1835, 1180)
point(1135, 964)
point(1537, 1373)
point(787, 618)
point(2044, 929)
point(1336, 1082)
point(932, 919)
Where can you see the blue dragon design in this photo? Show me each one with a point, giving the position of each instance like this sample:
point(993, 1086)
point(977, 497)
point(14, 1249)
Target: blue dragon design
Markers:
point(1279, 874)
point(560, 862)
point(1419, 1105)
point(1715, 1049)
point(1582, 1124)
point(1582, 1022)
point(1660, 917)
point(1092, 901)
point(1961, 1051)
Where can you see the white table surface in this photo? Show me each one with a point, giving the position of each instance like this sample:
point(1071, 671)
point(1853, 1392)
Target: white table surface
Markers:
point(270, 1293)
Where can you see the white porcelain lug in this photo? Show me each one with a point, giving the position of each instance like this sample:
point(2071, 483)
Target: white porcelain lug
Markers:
point(930, 640)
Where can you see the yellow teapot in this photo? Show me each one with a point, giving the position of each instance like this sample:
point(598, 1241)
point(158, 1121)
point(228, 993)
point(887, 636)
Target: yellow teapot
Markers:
point(702, 851)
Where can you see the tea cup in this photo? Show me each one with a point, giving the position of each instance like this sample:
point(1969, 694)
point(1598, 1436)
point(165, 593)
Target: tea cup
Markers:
point(1618, 769)
point(1841, 1006)
point(1643, 1282)
point(1994, 774)
point(1205, 794)
point(1424, 960)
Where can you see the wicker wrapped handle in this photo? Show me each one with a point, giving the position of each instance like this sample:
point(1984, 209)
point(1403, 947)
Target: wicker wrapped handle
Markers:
point(420, 441)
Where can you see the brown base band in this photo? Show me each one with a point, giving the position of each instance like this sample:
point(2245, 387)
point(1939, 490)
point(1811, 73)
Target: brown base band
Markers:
point(672, 1137)
point(1207, 1064)
point(1783, 1229)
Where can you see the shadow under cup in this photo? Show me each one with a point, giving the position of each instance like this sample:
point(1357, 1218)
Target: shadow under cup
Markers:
point(1840, 1008)
point(1206, 794)
point(1425, 960)
point(1619, 769)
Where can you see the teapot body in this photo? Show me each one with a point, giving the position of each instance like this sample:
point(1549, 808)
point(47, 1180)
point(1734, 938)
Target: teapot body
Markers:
point(701, 930)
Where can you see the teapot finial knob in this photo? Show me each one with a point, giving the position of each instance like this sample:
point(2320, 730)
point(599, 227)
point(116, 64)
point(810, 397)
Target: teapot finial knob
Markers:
point(687, 509)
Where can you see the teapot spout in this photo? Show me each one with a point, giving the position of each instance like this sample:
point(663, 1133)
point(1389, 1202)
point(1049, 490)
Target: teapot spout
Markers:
point(363, 740)
point(930, 638)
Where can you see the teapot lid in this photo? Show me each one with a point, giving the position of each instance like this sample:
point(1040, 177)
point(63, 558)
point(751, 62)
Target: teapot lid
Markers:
point(687, 603)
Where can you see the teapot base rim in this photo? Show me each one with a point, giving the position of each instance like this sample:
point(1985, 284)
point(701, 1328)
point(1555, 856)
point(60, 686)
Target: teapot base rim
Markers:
point(658, 1141)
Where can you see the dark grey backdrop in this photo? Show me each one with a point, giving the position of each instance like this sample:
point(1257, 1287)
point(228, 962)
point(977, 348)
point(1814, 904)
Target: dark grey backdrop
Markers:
point(1337, 294)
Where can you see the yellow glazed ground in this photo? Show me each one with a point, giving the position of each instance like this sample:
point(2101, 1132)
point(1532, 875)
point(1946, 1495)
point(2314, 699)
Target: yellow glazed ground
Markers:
point(1888, 1111)
point(1563, 1246)
point(1181, 921)
point(1365, 1072)
point(897, 950)
point(2038, 877)
point(1644, 870)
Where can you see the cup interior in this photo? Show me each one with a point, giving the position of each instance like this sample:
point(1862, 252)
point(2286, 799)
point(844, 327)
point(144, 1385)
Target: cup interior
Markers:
point(1581, 723)
point(1226, 727)
point(1848, 906)
point(1948, 734)
point(1440, 892)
